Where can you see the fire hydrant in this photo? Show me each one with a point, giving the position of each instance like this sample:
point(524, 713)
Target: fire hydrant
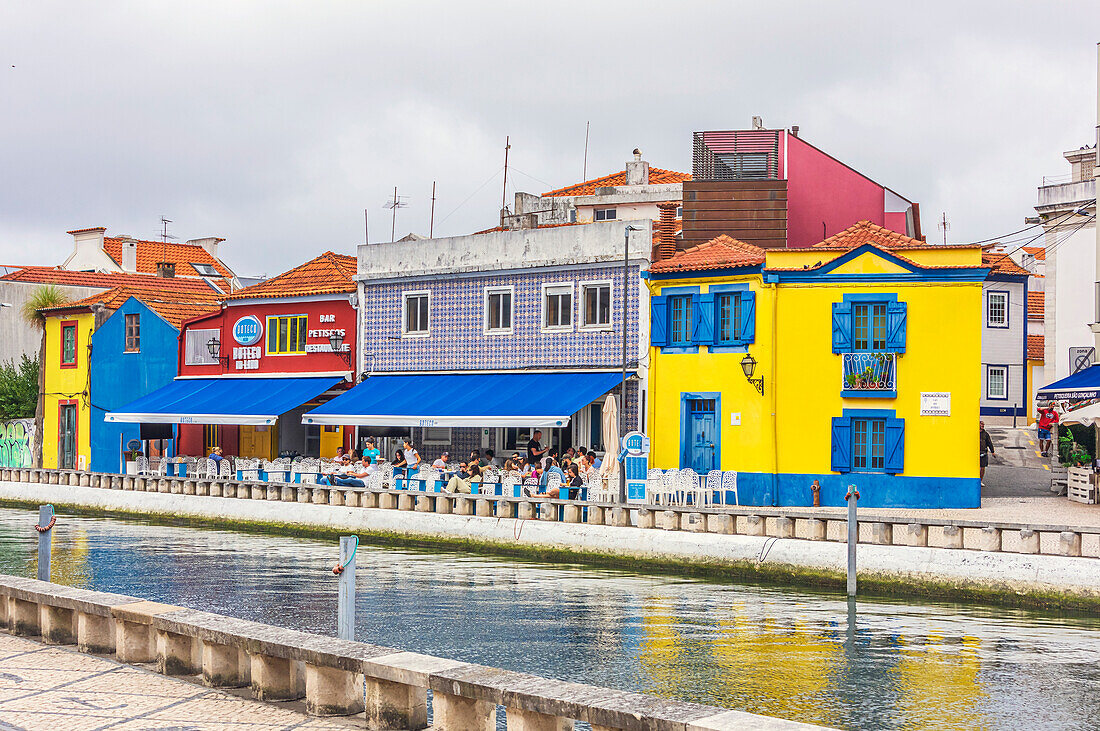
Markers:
point(816, 490)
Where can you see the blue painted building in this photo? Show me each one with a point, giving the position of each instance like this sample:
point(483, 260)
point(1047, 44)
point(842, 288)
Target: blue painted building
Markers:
point(134, 351)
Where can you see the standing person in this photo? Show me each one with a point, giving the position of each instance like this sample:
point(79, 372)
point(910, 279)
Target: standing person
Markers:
point(370, 453)
point(1047, 418)
point(412, 457)
point(535, 450)
point(985, 448)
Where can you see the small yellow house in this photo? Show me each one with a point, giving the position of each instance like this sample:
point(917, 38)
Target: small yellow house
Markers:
point(852, 362)
point(66, 428)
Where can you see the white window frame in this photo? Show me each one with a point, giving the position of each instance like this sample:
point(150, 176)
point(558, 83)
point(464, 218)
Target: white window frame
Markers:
point(989, 308)
point(487, 292)
point(582, 302)
point(546, 291)
point(405, 333)
point(427, 441)
point(1003, 396)
point(204, 355)
point(597, 211)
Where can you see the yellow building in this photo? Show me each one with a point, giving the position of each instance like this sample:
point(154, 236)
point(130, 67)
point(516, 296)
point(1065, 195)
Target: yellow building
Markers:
point(66, 428)
point(853, 362)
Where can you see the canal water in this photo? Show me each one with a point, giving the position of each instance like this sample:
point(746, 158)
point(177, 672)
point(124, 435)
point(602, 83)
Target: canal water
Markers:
point(781, 652)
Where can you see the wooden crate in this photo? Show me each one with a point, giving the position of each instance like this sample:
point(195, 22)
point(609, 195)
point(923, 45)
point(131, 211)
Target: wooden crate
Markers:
point(1079, 485)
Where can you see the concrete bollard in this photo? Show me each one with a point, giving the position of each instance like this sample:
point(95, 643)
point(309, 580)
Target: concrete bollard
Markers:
point(335, 497)
point(668, 520)
point(425, 504)
point(35, 476)
point(916, 534)
point(221, 666)
point(721, 523)
point(531, 721)
point(332, 692)
point(990, 539)
point(127, 483)
point(483, 507)
point(393, 705)
point(277, 678)
point(85, 480)
point(617, 517)
point(134, 642)
point(5, 475)
point(882, 534)
point(95, 634)
point(817, 529)
point(351, 499)
point(215, 488)
point(23, 617)
point(595, 515)
point(526, 510)
point(571, 513)
point(319, 495)
point(952, 536)
point(75, 479)
point(273, 493)
point(406, 501)
point(368, 500)
point(188, 487)
point(257, 492)
point(646, 518)
point(178, 654)
point(548, 511)
point(1030, 541)
point(387, 501)
point(1069, 543)
point(57, 625)
point(175, 487)
point(165, 485)
point(287, 494)
point(506, 509)
point(755, 525)
point(784, 527)
point(303, 494)
point(693, 522)
point(455, 713)
point(444, 504)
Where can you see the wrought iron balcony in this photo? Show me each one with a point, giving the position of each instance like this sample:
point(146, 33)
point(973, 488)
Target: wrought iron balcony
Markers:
point(869, 374)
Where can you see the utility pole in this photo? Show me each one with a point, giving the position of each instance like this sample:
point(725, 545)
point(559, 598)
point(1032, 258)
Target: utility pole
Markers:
point(944, 225)
point(584, 171)
point(622, 390)
point(504, 193)
point(431, 220)
point(393, 224)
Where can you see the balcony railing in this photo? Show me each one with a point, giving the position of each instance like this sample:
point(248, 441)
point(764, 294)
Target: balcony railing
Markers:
point(869, 373)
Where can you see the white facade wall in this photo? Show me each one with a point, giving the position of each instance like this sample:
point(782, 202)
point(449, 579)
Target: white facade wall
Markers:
point(1070, 285)
point(1004, 347)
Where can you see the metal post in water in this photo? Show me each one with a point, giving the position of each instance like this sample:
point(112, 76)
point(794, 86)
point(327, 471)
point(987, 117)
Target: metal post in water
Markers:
point(45, 516)
point(853, 537)
point(345, 621)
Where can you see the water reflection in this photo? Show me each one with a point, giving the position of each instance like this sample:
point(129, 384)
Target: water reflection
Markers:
point(785, 653)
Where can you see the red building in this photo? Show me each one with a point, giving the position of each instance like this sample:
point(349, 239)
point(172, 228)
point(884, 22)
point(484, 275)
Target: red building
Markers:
point(273, 351)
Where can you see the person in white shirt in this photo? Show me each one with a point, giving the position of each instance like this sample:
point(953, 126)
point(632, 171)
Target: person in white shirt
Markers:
point(441, 463)
point(412, 457)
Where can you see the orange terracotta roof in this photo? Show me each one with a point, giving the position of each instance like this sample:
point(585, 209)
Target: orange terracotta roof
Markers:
point(105, 280)
point(1036, 347)
point(1036, 305)
point(173, 307)
point(1001, 263)
point(328, 273)
point(1039, 252)
point(657, 176)
point(150, 253)
point(866, 232)
point(884, 250)
point(721, 252)
point(541, 225)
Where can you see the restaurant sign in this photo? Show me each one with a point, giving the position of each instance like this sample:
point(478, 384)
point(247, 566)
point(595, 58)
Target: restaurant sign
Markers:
point(248, 330)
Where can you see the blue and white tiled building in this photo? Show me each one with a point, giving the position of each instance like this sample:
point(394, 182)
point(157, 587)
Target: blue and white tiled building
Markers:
point(526, 301)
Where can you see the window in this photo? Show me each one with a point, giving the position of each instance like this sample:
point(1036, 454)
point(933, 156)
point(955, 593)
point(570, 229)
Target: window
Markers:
point(557, 306)
point(680, 315)
point(597, 304)
point(868, 444)
point(996, 382)
point(679, 211)
point(68, 343)
point(498, 310)
point(997, 309)
point(572, 215)
point(440, 435)
point(605, 214)
point(205, 270)
point(286, 335)
point(869, 327)
point(416, 313)
point(133, 333)
point(211, 437)
point(729, 317)
point(195, 350)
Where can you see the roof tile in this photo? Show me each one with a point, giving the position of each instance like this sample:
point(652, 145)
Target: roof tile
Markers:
point(1036, 305)
point(328, 273)
point(105, 280)
point(1036, 347)
point(151, 253)
point(1001, 263)
point(173, 307)
point(721, 252)
point(657, 176)
point(865, 232)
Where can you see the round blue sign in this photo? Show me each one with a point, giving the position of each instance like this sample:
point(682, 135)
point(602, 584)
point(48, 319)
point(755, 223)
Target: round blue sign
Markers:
point(248, 330)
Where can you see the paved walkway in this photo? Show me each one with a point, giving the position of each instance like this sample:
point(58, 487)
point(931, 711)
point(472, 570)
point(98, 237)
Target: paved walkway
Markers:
point(60, 689)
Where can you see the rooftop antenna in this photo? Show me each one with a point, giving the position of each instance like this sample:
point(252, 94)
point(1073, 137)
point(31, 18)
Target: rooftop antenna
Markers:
point(944, 225)
point(431, 221)
point(366, 228)
point(164, 237)
point(504, 193)
point(584, 170)
point(398, 201)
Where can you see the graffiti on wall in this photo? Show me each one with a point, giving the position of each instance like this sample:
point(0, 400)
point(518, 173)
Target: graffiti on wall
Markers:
point(16, 443)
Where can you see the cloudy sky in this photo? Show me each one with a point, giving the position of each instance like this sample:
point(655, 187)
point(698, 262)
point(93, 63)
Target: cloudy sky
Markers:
point(275, 124)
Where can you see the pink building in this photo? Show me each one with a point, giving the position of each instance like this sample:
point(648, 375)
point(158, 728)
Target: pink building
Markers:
point(773, 189)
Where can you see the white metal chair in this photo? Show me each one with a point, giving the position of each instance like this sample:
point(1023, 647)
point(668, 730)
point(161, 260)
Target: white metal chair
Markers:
point(249, 469)
point(599, 491)
point(210, 471)
point(689, 486)
point(277, 471)
point(490, 480)
point(670, 487)
point(712, 488)
point(143, 466)
point(225, 468)
point(530, 487)
point(729, 484)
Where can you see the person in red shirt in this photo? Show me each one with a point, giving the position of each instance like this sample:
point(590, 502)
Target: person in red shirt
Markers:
point(1047, 417)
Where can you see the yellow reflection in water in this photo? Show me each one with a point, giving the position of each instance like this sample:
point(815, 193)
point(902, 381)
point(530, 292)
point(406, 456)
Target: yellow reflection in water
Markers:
point(938, 683)
point(68, 558)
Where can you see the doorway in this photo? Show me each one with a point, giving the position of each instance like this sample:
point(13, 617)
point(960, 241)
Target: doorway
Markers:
point(700, 438)
point(66, 437)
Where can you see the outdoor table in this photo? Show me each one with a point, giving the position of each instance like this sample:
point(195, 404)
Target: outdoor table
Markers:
point(298, 476)
point(176, 469)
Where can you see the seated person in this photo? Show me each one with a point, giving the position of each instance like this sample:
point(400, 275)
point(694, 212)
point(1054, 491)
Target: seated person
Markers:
point(216, 455)
point(552, 468)
point(490, 458)
point(570, 490)
point(441, 463)
point(352, 476)
point(399, 460)
point(340, 456)
point(463, 482)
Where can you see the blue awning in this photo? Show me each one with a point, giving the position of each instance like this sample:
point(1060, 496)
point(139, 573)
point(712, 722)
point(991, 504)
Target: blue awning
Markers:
point(1081, 385)
point(249, 401)
point(467, 399)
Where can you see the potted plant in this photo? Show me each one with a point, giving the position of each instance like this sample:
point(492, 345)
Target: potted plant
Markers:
point(131, 460)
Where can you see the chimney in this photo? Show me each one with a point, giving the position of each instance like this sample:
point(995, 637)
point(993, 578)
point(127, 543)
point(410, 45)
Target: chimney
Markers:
point(88, 242)
point(637, 170)
point(129, 254)
point(757, 122)
point(210, 243)
point(794, 130)
point(666, 230)
point(166, 269)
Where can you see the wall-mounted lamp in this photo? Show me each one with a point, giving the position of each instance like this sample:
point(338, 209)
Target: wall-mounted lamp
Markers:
point(748, 365)
point(214, 347)
point(336, 340)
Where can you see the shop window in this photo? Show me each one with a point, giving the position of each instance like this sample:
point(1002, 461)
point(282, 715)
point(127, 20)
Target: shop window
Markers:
point(286, 335)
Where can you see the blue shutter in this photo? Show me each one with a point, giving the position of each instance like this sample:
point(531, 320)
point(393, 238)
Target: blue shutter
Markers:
point(658, 321)
point(895, 326)
point(841, 460)
point(842, 327)
point(748, 317)
point(702, 319)
point(895, 445)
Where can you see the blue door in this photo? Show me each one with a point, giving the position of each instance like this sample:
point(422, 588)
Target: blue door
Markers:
point(702, 435)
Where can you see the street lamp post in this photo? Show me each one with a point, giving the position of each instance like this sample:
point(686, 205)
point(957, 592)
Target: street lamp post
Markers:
point(622, 390)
